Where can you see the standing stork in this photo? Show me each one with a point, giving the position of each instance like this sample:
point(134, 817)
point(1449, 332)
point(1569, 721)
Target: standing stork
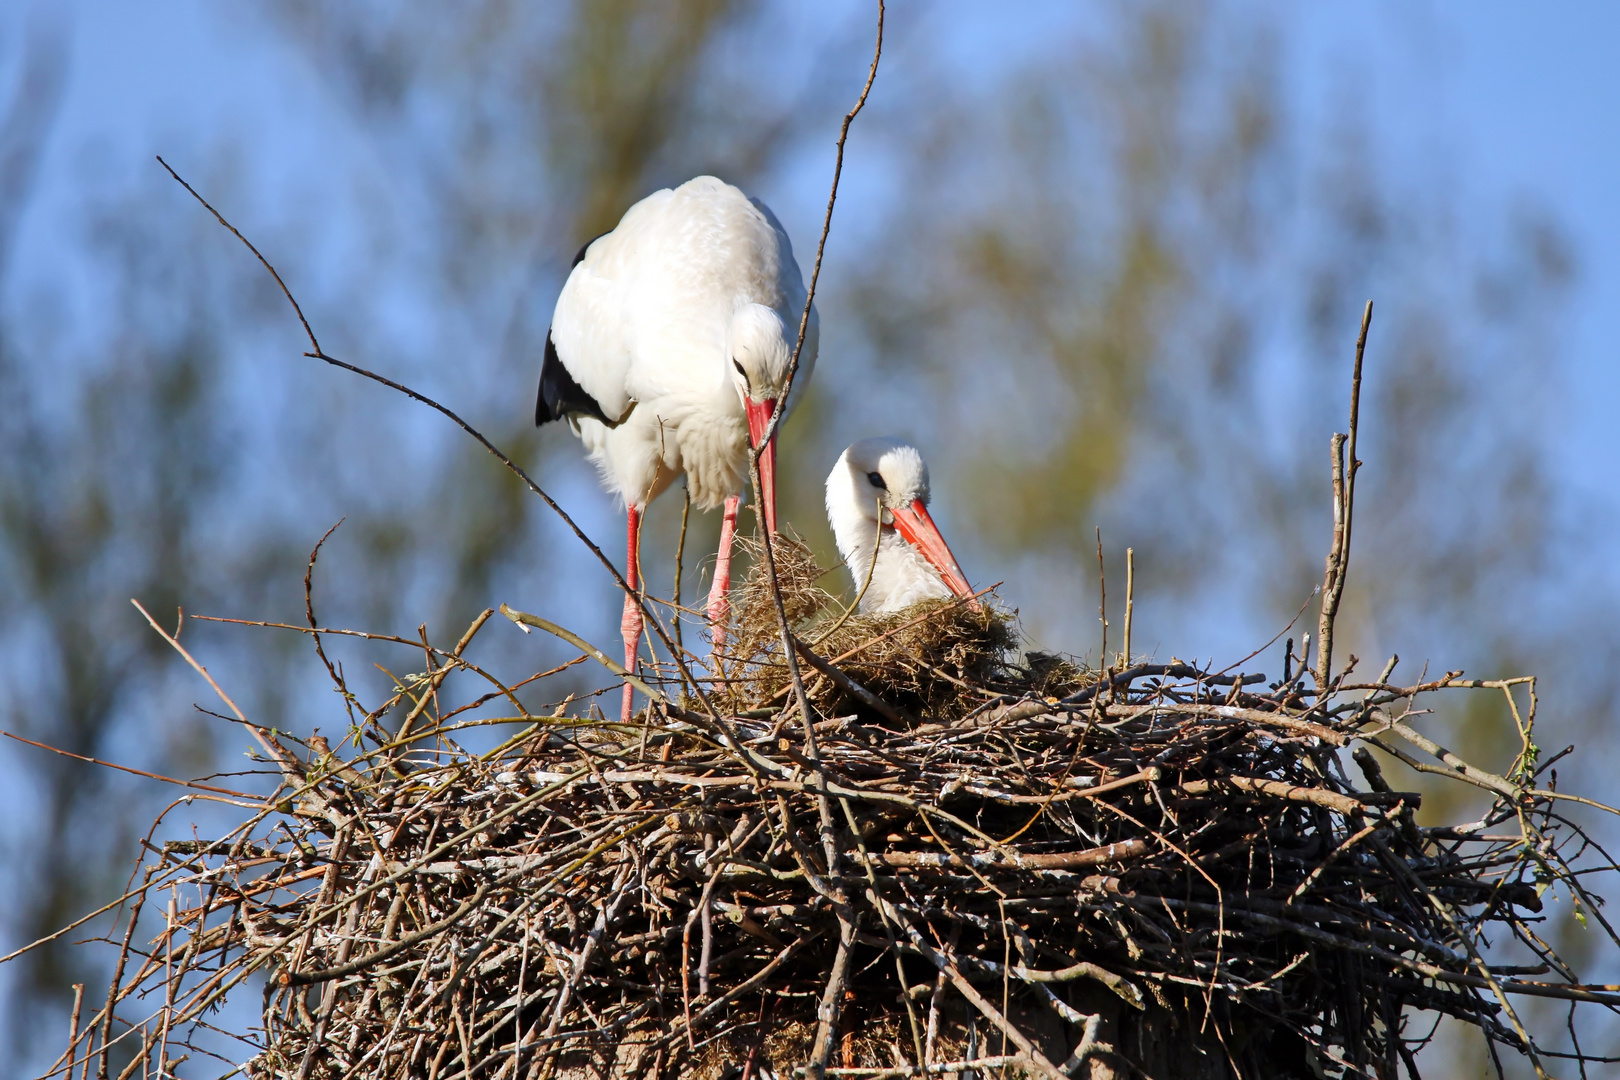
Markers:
point(877, 503)
point(668, 351)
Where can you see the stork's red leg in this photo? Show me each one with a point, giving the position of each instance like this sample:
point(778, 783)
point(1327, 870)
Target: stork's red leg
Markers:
point(631, 624)
point(719, 601)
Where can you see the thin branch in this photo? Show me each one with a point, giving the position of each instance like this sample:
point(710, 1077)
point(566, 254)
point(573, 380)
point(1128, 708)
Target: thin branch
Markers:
point(316, 353)
point(1344, 502)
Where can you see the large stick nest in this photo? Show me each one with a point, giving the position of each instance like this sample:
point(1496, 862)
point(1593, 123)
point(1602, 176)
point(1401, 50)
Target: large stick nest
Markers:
point(1159, 868)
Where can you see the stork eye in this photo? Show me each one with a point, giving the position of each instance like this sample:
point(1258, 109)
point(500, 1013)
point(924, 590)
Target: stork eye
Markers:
point(877, 481)
point(736, 363)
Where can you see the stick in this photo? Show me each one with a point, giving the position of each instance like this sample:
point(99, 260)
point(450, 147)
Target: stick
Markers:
point(947, 967)
point(877, 542)
point(931, 613)
point(853, 688)
point(826, 227)
point(1102, 602)
point(309, 614)
point(998, 1061)
point(680, 554)
point(1175, 671)
point(316, 353)
point(290, 767)
point(129, 769)
point(1130, 595)
point(1344, 500)
point(168, 986)
point(73, 1029)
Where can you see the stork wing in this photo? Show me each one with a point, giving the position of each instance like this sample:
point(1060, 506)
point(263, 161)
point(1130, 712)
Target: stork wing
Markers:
point(561, 395)
point(591, 344)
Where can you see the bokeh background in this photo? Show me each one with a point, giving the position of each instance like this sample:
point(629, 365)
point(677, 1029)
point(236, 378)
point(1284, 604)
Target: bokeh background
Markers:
point(1103, 262)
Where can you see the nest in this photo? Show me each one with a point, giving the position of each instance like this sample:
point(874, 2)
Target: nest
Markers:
point(1161, 869)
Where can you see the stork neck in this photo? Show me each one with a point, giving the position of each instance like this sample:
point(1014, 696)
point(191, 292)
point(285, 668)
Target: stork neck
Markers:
point(862, 547)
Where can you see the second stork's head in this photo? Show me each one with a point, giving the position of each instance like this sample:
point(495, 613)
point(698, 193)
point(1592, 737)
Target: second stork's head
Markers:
point(760, 353)
point(882, 484)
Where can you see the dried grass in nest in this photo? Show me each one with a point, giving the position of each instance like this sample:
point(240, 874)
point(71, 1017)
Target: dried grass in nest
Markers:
point(1170, 863)
point(941, 659)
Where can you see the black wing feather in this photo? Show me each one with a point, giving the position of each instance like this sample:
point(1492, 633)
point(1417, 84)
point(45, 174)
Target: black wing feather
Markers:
point(559, 394)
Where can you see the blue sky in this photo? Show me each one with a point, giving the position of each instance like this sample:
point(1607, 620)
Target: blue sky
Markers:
point(1501, 106)
point(1513, 103)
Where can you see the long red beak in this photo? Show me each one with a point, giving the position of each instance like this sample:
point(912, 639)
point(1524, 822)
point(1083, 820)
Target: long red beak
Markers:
point(759, 418)
point(921, 533)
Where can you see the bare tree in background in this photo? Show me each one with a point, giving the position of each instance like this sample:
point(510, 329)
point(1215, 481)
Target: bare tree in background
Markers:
point(94, 508)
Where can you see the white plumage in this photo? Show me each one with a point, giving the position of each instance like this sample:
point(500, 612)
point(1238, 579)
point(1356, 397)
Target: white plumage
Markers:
point(877, 496)
point(669, 347)
point(659, 314)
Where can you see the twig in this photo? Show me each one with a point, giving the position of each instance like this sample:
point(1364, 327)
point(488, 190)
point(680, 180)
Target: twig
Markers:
point(290, 767)
point(995, 1062)
point(524, 620)
point(316, 353)
point(1130, 598)
point(130, 769)
point(877, 544)
point(947, 966)
point(826, 228)
point(853, 688)
point(309, 574)
point(931, 613)
point(1344, 501)
point(680, 554)
point(1471, 773)
point(73, 1029)
point(1102, 603)
point(832, 999)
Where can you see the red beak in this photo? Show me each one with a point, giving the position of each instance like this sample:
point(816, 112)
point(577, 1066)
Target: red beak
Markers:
point(921, 533)
point(759, 418)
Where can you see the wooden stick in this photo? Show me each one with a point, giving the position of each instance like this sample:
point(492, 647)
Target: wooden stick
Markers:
point(1344, 501)
point(1102, 603)
point(1130, 596)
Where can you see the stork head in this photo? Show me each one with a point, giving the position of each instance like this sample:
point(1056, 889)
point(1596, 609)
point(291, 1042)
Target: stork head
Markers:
point(760, 354)
point(885, 481)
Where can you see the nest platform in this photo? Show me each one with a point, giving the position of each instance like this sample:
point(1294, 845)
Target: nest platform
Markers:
point(971, 861)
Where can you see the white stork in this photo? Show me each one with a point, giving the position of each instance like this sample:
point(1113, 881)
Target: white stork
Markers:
point(877, 502)
point(668, 351)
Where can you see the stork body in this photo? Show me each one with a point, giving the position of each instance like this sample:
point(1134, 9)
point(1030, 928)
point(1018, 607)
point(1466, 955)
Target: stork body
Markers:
point(668, 350)
point(877, 503)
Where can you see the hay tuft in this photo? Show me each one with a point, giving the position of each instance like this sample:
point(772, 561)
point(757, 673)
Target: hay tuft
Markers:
point(938, 658)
